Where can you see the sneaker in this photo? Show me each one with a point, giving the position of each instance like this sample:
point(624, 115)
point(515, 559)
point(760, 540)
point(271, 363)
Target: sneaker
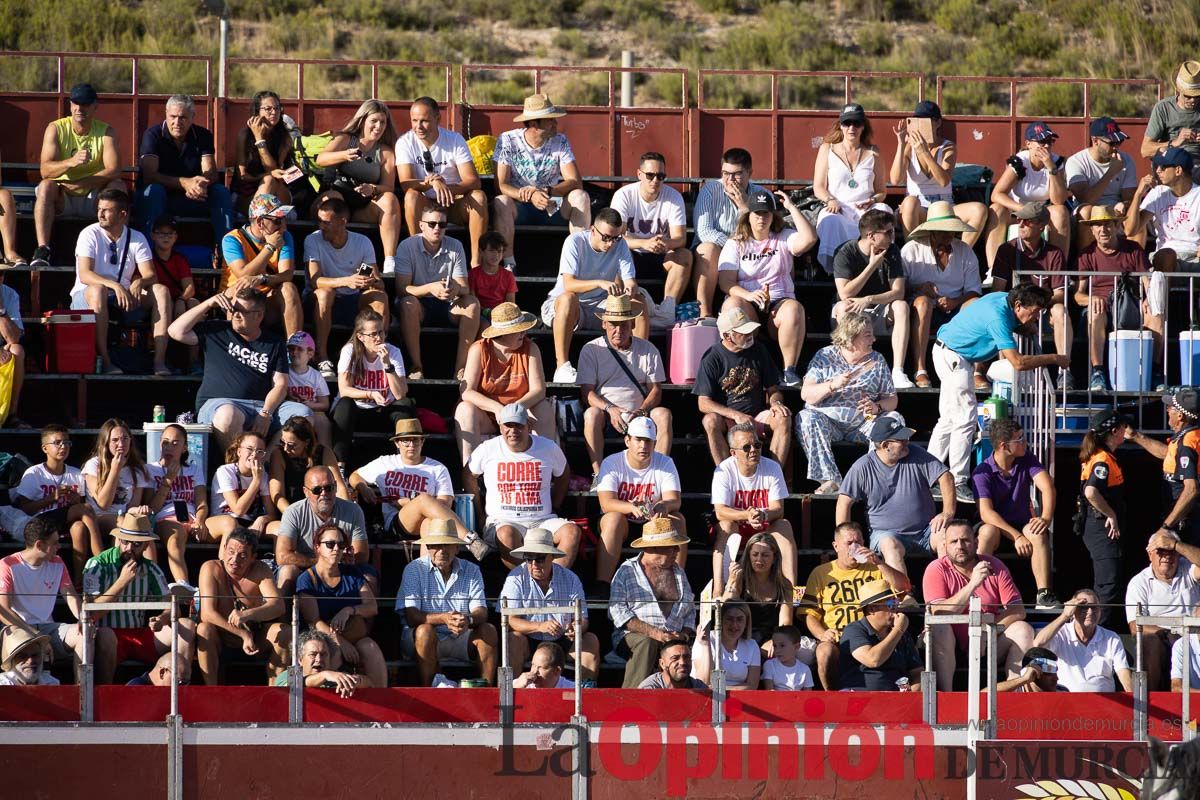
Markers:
point(900, 380)
point(791, 377)
point(478, 547)
point(565, 374)
point(1048, 601)
point(327, 370)
point(1099, 381)
point(41, 257)
point(963, 493)
point(1066, 382)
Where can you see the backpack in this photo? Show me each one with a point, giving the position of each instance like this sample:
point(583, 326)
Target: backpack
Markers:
point(1126, 304)
point(305, 150)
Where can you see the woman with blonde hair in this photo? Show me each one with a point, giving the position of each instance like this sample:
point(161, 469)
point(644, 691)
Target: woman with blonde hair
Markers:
point(116, 475)
point(847, 386)
point(757, 579)
point(847, 180)
point(240, 489)
point(362, 160)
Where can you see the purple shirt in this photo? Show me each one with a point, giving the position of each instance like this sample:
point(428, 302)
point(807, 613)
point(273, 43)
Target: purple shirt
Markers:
point(1009, 493)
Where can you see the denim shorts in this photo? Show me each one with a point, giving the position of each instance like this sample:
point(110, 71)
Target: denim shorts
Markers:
point(913, 542)
point(250, 409)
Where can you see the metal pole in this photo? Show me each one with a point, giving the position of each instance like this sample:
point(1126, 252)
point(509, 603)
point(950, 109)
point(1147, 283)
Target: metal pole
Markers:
point(506, 677)
point(87, 676)
point(1189, 732)
point(174, 658)
point(1141, 687)
point(578, 657)
point(224, 52)
point(626, 79)
point(973, 723)
point(295, 674)
point(929, 682)
point(991, 687)
point(717, 677)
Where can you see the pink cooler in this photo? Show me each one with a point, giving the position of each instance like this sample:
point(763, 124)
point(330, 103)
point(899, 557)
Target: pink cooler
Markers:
point(690, 340)
point(70, 341)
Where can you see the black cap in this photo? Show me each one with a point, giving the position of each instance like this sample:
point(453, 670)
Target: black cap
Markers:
point(888, 427)
point(852, 111)
point(927, 109)
point(1187, 401)
point(1107, 421)
point(165, 222)
point(83, 94)
point(761, 201)
point(1173, 157)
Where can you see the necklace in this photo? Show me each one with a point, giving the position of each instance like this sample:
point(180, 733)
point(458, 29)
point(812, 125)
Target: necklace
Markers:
point(852, 183)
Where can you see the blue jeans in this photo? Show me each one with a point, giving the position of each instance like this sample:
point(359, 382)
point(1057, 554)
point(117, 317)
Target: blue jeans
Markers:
point(154, 200)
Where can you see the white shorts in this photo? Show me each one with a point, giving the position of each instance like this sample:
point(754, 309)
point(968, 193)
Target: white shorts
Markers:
point(455, 648)
point(588, 309)
point(58, 632)
point(551, 524)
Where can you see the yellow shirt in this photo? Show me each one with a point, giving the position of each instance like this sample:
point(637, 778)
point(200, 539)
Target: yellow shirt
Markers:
point(831, 594)
point(70, 143)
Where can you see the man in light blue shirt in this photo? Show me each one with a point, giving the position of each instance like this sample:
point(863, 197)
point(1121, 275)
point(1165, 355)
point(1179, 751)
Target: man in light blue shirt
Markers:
point(594, 264)
point(978, 333)
point(717, 208)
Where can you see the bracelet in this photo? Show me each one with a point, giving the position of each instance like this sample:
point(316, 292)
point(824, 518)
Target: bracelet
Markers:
point(261, 143)
point(272, 248)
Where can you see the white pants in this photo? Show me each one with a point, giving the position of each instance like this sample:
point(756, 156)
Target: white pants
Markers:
point(958, 409)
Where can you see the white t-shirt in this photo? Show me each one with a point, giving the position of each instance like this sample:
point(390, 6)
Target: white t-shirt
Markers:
point(308, 385)
point(598, 368)
point(960, 276)
point(373, 378)
point(1174, 598)
point(731, 488)
point(638, 485)
point(1082, 168)
point(38, 484)
point(530, 167)
point(228, 479)
point(758, 264)
point(794, 678)
point(1175, 218)
point(339, 262)
point(33, 590)
point(736, 664)
point(1034, 185)
point(645, 220)
point(183, 488)
point(447, 153)
point(1177, 662)
point(127, 482)
point(93, 243)
point(518, 484)
point(394, 480)
point(1090, 667)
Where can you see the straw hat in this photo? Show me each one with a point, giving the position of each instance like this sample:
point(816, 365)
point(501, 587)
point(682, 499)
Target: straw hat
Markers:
point(659, 532)
point(941, 218)
point(538, 541)
point(134, 526)
point(440, 531)
point(539, 106)
point(1187, 80)
point(408, 429)
point(1101, 214)
point(16, 640)
point(618, 308)
point(508, 318)
point(875, 591)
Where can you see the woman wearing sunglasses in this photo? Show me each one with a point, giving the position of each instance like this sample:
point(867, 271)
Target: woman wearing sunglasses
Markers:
point(846, 180)
point(336, 599)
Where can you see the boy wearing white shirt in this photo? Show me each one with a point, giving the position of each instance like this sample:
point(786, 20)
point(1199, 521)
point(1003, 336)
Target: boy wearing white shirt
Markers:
point(784, 671)
point(656, 224)
point(1172, 207)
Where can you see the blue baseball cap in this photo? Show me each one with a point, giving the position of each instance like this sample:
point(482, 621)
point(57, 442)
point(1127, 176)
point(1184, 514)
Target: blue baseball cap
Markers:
point(1039, 132)
point(927, 109)
point(1173, 157)
point(1107, 129)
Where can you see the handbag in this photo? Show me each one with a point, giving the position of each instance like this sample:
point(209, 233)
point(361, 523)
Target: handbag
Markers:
point(1126, 304)
point(570, 415)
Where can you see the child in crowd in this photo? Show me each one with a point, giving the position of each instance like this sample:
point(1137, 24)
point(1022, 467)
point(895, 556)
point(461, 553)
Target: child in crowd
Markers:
point(116, 476)
point(492, 282)
point(307, 385)
point(173, 271)
point(785, 672)
point(57, 490)
point(241, 489)
point(180, 499)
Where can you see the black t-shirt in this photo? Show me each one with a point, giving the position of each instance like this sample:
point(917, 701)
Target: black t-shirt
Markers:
point(849, 261)
point(737, 380)
point(852, 674)
point(236, 368)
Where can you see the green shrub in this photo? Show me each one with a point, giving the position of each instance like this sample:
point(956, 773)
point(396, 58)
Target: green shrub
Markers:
point(875, 39)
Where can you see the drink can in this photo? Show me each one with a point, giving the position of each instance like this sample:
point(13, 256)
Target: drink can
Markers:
point(160, 414)
point(472, 683)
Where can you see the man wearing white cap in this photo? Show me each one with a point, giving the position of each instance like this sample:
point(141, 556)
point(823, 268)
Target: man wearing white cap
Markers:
point(22, 657)
point(738, 382)
point(538, 581)
point(1175, 121)
point(651, 602)
point(537, 176)
point(524, 478)
point(442, 605)
point(634, 485)
point(620, 377)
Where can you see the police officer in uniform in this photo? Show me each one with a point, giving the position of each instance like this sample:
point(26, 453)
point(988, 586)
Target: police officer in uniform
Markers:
point(1179, 456)
point(1102, 503)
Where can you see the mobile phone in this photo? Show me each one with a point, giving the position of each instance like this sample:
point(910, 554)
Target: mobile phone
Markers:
point(922, 127)
point(365, 270)
point(181, 511)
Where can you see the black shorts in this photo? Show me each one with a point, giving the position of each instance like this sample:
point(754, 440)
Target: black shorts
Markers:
point(59, 517)
point(644, 260)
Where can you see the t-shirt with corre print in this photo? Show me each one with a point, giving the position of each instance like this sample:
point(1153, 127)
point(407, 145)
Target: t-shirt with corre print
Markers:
point(236, 367)
point(373, 377)
point(632, 485)
point(395, 480)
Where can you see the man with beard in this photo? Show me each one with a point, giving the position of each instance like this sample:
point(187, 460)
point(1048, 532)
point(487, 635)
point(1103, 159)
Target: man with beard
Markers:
point(674, 668)
point(241, 602)
point(24, 655)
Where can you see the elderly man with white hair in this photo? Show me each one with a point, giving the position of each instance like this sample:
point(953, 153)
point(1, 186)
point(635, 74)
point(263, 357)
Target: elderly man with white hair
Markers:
point(23, 657)
point(1091, 658)
point(1168, 587)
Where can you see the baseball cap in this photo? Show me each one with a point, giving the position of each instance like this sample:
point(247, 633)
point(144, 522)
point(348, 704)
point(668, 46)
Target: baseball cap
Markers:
point(1039, 132)
point(1107, 129)
point(852, 111)
point(734, 320)
point(889, 428)
point(166, 222)
point(642, 428)
point(761, 201)
point(82, 94)
point(1187, 401)
point(1173, 157)
point(1033, 210)
point(514, 414)
point(301, 339)
point(1107, 421)
point(927, 109)
point(268, 205)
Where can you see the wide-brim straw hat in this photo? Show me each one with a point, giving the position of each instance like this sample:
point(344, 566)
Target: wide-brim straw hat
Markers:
point(538, 541)
point(135, 527)
point(440, 531)
point(941, 218)
point(18, 639)
point(875, 591)
point(659, 532)
point(1187, 80)
point(1101, 214)
point(618, 308)
point(539, 106)
point(408, 429)
point(508, 318)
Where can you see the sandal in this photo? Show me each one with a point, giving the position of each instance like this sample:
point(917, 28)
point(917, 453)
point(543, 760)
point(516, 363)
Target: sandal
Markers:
point(921, 379)
point(416, 376)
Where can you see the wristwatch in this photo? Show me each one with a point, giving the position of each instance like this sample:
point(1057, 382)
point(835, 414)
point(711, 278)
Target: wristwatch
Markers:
point(390, 368)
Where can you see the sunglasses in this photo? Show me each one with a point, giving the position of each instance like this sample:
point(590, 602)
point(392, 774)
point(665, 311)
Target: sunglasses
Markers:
point(434, 223)
point(1163, 553)
point(427, 161)
point(112, 252)
point(246, 312)
point(325, 488)
point(654, 176)
point(750, 448)
point(371, 334)
point(333, 544)
point(604, 237)
point(532, 558)
point(890, 603)
point(853, 123)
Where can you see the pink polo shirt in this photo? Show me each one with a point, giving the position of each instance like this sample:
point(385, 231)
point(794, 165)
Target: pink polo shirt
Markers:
point(942, 581)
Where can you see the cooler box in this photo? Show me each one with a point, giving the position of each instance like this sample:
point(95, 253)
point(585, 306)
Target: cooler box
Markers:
point(1189, 358)
point(689, 342)
point(70, 341)
point(1071, 422)
point(197, 443)
point(1130, 360)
